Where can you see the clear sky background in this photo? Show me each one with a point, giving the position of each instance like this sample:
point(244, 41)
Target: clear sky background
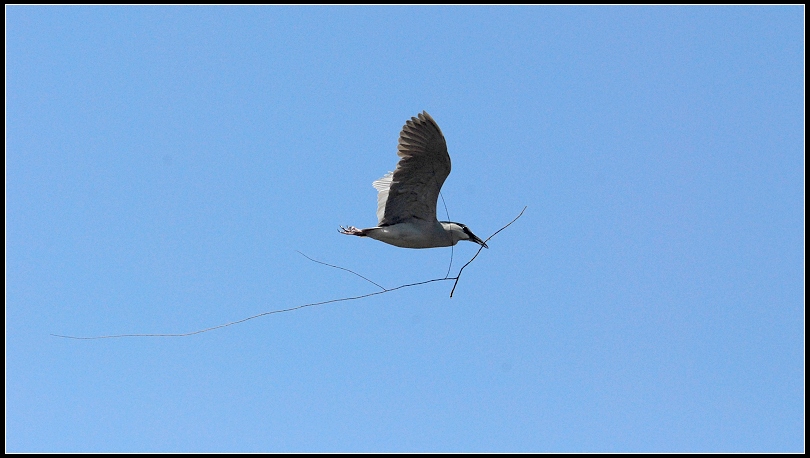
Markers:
point(163, 165)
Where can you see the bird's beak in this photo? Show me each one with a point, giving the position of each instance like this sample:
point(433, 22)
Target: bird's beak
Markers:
point(474, 238)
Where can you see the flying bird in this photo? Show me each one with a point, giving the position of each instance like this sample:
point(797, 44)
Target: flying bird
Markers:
point(406, 197)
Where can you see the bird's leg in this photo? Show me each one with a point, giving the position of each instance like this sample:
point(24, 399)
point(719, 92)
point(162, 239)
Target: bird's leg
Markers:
point(351, 230)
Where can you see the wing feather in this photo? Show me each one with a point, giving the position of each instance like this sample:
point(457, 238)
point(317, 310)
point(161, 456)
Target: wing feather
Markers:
point(382, 185)
point(412, 190)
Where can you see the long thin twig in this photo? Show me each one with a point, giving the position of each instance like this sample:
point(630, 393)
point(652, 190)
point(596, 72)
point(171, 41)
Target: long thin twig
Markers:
point(481, 248)
point(382, 291)
point(342, 268)
point(452, 250)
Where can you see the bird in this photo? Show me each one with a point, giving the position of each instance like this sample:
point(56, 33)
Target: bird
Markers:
point(407, 197)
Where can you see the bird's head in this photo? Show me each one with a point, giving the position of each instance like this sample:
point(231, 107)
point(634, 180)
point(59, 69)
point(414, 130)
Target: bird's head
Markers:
point(459, 231)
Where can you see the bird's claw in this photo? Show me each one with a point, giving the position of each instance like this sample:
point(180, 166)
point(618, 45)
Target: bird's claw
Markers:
point(351, 230)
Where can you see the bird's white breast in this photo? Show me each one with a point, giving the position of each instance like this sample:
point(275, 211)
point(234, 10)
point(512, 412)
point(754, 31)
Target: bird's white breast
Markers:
point(413, 234)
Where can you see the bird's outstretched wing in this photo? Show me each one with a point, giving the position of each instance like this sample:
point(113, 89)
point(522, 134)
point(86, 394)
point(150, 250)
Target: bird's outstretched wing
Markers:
point(412, 190)
point(383, 185)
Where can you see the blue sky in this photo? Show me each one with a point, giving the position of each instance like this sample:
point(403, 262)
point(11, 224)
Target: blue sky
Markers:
point(163, 165)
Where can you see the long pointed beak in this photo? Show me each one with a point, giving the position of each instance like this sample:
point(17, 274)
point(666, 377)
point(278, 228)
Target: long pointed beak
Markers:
point(474, 238)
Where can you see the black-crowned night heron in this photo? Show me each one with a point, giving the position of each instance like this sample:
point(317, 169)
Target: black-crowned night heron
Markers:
point(406, 197)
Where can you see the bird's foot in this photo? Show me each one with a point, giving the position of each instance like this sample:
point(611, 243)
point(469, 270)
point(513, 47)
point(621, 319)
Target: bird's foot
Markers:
point(351, 230)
